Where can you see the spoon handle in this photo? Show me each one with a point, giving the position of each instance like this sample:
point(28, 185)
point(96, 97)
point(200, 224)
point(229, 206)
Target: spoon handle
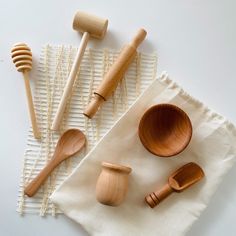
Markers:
point(35, 184)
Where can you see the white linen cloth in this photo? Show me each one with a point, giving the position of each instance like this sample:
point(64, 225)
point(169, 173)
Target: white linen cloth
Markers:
point(213, 147)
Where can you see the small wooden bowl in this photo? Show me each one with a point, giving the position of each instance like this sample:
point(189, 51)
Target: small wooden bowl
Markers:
point(165, 130)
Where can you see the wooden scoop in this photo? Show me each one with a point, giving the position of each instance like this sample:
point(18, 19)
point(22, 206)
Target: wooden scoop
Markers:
point(70, 143)
point(181, 179)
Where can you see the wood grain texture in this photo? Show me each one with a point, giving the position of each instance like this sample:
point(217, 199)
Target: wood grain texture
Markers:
point(112, 184)
point(22, 58)
point(115, 74)
point(70, 143)
point(165, 130)
point(180, 180)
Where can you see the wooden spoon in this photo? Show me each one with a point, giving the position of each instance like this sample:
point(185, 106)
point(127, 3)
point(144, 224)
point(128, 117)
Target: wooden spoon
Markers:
point(181, 179)
point(70, 143)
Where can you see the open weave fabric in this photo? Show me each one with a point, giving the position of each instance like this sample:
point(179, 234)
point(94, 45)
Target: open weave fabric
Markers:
point(54, 67)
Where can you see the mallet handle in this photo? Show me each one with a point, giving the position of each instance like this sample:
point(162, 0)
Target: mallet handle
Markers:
point(70, 82)
point(31, 106)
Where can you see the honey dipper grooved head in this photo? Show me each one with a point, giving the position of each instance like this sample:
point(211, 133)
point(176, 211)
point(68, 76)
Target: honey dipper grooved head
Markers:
point(22, 57)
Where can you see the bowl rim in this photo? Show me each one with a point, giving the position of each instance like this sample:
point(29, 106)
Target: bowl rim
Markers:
point(176, 108)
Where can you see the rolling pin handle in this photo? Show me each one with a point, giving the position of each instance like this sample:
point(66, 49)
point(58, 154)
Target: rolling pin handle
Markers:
point(93, 106)
point(139, 37)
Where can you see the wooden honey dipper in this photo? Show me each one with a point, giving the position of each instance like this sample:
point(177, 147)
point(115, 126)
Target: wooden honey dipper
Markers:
point(115, 74)
point(89, 25)
point(22, 58)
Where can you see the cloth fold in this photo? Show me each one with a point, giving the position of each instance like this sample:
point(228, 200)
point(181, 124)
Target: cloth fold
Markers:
point(213, 147)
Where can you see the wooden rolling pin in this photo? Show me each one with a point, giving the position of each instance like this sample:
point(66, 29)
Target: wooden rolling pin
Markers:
point(115, 74)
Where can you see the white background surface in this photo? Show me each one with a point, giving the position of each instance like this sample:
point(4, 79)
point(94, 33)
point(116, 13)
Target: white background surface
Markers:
point(196, 44)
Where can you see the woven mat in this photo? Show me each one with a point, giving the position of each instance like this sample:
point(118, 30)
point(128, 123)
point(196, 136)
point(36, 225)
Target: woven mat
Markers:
point(54, 67)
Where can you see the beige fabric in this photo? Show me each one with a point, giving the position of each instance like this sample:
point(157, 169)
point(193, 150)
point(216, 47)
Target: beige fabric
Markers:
point(213, 147)
point(54, 67)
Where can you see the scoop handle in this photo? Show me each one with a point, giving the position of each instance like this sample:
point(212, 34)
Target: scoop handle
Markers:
point(35, 184)
point(156, 197)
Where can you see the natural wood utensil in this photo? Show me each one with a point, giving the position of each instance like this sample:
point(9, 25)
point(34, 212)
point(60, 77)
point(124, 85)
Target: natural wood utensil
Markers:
point(115, 74)
point(112, 184)
point(180, 180)
point(165, 130)
point(22, 58)
point(70, 143)
point(90, 26)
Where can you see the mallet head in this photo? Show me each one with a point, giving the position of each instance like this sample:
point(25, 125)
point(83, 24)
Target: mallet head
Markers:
point(94, 25)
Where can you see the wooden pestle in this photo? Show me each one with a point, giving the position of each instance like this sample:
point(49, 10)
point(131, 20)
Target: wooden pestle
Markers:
point(180, 180)
point(90, 26)
point(115, 74)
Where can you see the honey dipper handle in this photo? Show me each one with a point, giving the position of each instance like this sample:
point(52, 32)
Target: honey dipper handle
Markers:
point(70, 82)
point(31, 106)
point(156, 197)
point(35, 184)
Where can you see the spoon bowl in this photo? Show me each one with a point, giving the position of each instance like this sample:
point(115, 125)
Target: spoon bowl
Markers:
point(70, 142)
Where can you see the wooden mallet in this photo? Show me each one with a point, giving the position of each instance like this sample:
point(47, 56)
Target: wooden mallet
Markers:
point(22, 58)
point(90, 26)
